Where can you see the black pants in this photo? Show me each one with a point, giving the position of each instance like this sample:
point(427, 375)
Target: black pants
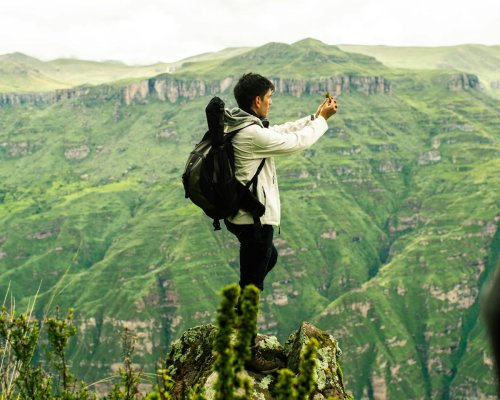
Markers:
point(258, 255)
point(491, 311)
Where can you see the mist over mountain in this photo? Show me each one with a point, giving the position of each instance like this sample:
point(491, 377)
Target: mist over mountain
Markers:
point(390, 222)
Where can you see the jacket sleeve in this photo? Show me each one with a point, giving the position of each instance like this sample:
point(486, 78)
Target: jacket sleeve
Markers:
point(292, 126)
point(296, 137)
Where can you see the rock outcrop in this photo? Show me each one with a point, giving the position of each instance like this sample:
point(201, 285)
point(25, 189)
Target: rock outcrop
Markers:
point(461, 82)
point(190, 362)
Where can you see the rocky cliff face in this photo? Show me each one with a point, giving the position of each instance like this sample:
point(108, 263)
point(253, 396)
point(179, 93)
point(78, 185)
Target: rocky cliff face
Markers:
point(463, 82)
point(39, 98)
point(168, 88)
point(174, 89)
point(190, 362)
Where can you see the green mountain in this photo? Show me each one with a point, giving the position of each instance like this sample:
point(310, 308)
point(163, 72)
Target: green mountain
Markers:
point(21, 73)
point(306, 58)
point(477, 59)
point(388, 238)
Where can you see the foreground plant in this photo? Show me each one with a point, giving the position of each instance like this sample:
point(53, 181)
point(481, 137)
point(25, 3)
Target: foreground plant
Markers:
point(130, 377)
point(19, 335)
point(20, 376)
point(22, 379)
point(231, 355)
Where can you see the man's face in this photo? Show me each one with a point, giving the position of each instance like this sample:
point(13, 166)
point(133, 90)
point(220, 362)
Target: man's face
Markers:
point(263, 105)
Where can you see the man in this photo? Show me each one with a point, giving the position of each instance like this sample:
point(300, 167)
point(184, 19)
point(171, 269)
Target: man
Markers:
point(253, 143)
point(256, 141)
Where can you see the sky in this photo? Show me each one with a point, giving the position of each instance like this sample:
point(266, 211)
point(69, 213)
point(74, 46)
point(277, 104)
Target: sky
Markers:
point(149, 31)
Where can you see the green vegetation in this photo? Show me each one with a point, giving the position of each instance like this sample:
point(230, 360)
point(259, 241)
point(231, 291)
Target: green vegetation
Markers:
point(389, 222)
point(22, 380)
point(231, 358)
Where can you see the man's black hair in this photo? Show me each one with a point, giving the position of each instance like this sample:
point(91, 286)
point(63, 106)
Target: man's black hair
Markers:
point(249, 87)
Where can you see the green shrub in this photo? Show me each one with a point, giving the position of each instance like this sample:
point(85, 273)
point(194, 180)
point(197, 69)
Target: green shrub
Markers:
point(23, 379)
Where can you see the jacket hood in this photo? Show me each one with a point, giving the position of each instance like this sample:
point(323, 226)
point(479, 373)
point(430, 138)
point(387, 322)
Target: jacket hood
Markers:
point(236, 118)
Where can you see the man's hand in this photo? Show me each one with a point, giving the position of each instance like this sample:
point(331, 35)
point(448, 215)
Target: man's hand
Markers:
point(327, 108)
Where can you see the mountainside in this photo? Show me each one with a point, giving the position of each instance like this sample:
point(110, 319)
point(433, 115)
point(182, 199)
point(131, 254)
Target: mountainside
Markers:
point(389, 230)
point(20, 73)
point(477, 59)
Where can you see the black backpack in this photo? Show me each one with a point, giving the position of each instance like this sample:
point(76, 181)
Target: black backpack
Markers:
point(209, 176)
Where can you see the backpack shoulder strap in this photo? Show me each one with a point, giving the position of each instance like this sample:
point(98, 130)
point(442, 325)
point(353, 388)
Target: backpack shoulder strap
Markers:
point(254, 179)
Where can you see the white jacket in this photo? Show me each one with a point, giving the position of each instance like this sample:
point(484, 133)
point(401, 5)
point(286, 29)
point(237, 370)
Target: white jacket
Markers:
point(255, 142)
